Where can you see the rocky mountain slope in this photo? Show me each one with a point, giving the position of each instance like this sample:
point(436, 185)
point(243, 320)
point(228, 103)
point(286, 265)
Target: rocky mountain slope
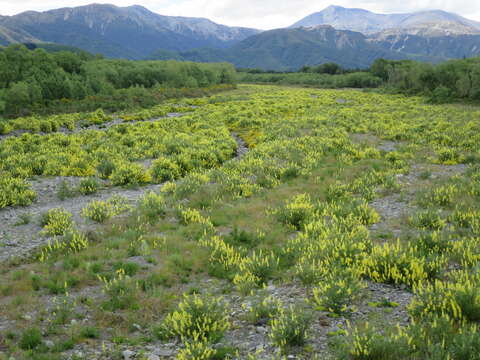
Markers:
point(130, 32)
point(290, 49)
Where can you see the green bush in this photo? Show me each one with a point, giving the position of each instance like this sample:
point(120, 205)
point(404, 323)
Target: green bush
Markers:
point(31, 338)
point(152, 206)
point(164, 169)
point(203, 318)
point(56, 221)
point(88, 186)
point(129, 174)
point(290, 327)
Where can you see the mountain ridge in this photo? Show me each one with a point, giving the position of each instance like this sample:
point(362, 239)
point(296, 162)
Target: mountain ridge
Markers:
point(131, 32)
point(368, 22)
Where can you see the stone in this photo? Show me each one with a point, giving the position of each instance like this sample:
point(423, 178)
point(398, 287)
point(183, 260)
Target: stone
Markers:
point(128, 354)
point(153, 357)
point(163, 352)
point(261, 330)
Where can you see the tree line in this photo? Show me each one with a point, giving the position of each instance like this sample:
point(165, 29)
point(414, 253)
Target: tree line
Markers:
point(33, 79)
point(328, 75)
point(448, 81)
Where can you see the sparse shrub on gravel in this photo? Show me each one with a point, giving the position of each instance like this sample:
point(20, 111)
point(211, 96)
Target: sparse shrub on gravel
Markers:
point(88, 186)
point(290, 328)
point(337, 292)
point(152, 206)
point(263, 309)
point(202, 318)
point(101, 211)
point(56, 221)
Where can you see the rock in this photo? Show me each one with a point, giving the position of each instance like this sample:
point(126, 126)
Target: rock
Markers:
point(128, 354)
point(49, 344)
point(163, 352)
point(153, 357)
point(261, 330)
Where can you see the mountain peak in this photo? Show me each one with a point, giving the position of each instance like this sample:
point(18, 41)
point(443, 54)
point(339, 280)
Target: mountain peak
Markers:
point(334, 7)
point(367, 22)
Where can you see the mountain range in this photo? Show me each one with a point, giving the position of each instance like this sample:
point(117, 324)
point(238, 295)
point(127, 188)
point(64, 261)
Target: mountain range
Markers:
point(128, 32)
point(353, 38)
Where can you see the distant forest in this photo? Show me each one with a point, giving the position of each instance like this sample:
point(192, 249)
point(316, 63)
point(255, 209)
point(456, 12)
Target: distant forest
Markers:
point(445, 82)
point(35, 80)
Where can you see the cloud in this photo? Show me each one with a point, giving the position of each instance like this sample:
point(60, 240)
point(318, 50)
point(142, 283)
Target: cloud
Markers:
point(263, 14)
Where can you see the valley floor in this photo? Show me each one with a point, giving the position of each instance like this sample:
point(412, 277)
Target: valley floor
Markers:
point(269, 222)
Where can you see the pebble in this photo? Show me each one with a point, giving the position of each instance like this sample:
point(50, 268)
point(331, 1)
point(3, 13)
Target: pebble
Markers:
point(128, 354)
point(163, 352)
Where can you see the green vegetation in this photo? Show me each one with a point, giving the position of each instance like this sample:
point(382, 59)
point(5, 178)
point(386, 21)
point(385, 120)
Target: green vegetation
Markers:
point(356, 220)
point(36, 81)
point(449, 81)
point(445, 82)
point(314, 79)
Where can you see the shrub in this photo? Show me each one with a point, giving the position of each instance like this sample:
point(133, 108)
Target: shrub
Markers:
point(30, 339)
point(393, 263)
point(337, 292)
point(428, 220)
point(367, 343)
point(440, 196)
point(106, 168)
point(263, 310)
point(88, 186)
point(197, 350)
point(242, 238)
point(65, 191)
point(203, 318)
point(290, 327)
point(441, 95)
point(164, 169)
point(296, 212)
point(152, 206)
point(15, 192)
point(459, 299)
point(129, 174)
point(336, 192)
point(122, 292)
point(260, 265)
point(90, 332)
point(101, 211)
point(56, 221)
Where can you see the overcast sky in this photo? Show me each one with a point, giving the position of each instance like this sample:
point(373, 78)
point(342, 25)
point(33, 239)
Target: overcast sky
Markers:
point(261, 14)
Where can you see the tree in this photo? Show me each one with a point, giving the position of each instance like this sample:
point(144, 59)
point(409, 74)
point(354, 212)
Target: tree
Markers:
point(17, 98)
